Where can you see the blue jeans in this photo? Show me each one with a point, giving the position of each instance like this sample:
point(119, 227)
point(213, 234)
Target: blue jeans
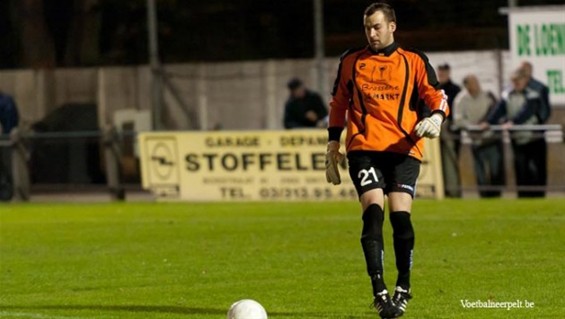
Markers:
point(489, 168)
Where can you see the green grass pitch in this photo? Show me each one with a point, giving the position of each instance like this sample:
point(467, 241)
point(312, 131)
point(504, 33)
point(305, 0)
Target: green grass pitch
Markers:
point(300, 260)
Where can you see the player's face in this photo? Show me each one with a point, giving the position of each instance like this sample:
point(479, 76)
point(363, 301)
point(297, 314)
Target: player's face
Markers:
point(379, 31)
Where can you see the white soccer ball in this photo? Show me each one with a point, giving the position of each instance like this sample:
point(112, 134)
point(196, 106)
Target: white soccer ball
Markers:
point(247, 309)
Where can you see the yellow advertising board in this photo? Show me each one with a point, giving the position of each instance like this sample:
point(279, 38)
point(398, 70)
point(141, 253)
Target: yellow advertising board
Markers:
point(253, 166)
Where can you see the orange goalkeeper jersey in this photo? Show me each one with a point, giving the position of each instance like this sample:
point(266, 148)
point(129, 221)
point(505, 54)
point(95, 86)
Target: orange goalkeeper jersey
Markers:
point(382, 96)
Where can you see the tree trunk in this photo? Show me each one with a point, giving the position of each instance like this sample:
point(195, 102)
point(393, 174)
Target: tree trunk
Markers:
point(82, 42)
point(37, 46)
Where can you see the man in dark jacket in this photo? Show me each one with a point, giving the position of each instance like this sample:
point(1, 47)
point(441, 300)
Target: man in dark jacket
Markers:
point(449, 142)
point(444, 78)
point(303, 108)
point(519, 105)
point(9, 119)
point(8, 113)
point(544, 112)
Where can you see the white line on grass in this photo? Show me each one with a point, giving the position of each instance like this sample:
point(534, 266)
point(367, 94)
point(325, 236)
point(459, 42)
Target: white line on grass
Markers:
point(9, 314)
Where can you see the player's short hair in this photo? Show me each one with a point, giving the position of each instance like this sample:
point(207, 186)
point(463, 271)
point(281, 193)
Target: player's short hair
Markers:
point(385, 8)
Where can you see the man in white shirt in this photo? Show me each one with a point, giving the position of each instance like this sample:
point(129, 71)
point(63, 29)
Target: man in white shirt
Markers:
point(472, 107)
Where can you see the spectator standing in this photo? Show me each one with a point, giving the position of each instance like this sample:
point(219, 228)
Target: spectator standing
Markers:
point(9, 119)
point(303, 108)
point(9, 116)
point(543, 113)
point(472, 107)
point(519, 106)
point(446, 84)
point(449, 142)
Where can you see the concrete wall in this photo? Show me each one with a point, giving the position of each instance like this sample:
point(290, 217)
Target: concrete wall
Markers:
point(236, 95)
point(230, 96)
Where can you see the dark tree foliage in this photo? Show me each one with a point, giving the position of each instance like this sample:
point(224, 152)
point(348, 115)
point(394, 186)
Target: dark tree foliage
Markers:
point(109, 32)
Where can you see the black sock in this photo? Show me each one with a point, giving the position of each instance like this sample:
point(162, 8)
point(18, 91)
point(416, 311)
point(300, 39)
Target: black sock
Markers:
point(403, 235)
point(372, 243)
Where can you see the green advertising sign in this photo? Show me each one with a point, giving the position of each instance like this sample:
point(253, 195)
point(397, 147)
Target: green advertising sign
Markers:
point(537, 35)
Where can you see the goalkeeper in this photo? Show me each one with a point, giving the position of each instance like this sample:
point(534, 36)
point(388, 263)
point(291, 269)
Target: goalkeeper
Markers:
point(379, 95)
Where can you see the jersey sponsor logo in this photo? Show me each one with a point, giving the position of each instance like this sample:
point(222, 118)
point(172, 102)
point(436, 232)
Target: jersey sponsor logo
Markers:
point(380, 91)
point(380, 87)
point(383, 96)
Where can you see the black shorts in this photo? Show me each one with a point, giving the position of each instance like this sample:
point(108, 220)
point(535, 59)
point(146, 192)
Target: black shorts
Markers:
point(392, 172)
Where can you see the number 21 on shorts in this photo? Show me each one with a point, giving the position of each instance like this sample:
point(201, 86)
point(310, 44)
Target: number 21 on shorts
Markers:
point(368, 176)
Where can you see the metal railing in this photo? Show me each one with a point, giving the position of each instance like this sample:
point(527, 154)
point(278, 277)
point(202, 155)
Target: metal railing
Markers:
point(552, 133)
point(20, 143)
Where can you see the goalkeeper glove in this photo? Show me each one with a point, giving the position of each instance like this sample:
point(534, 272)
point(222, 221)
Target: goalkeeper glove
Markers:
point(333, 158)
point(430, 126)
